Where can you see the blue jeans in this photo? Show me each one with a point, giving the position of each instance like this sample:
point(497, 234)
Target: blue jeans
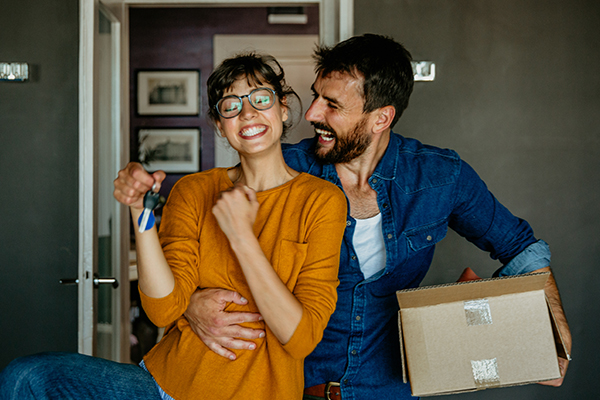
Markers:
point(74, 376)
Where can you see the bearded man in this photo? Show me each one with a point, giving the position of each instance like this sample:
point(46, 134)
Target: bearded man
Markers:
point(402, 197)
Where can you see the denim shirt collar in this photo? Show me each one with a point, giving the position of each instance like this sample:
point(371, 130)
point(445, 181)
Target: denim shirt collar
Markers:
point(385, 169)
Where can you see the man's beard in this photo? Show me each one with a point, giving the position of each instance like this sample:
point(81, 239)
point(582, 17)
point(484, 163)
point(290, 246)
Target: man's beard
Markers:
point(345, 148)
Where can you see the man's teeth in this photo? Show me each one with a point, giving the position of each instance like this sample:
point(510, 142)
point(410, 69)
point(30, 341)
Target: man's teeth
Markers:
point(252, 131)
point(325, 135)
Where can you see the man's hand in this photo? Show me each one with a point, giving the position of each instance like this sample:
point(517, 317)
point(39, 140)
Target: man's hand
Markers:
point(133, 182)
point(563, 364)
point(556, 304)
point(219, 329)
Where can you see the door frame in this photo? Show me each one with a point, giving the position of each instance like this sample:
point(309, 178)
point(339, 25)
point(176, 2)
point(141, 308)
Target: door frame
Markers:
point(336, 23)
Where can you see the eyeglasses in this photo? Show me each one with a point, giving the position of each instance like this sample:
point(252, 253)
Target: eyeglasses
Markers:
point(231, 106)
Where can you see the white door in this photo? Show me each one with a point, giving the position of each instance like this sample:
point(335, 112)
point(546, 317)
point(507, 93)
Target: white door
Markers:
point(103, 281)
point(104, 112)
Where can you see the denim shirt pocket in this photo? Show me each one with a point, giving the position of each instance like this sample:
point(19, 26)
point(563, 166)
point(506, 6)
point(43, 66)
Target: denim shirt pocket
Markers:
point(427, 235)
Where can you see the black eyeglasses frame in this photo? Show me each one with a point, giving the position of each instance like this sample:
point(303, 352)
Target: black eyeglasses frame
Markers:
point(241, 98)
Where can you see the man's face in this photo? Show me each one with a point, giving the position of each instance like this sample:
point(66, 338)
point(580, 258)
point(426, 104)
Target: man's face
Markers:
point(337, 114)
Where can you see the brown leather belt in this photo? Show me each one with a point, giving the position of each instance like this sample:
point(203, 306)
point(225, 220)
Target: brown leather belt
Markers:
point(329, 391)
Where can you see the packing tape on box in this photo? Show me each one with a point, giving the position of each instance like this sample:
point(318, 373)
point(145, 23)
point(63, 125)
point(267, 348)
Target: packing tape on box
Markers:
point(485, 373)
point(478, 312)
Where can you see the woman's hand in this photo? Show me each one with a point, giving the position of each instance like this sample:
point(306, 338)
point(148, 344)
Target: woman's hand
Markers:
point(133, 182)
point(236, 211)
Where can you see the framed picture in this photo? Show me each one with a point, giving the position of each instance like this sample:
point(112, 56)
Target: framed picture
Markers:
point(168, 92)
point(172, 150)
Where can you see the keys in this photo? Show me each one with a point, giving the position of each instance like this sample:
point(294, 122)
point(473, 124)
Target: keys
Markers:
point(152, 200)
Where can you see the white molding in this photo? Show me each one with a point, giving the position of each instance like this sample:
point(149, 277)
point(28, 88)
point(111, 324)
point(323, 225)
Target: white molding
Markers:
point(346, 19)
point(86, 256)
point(120, 305)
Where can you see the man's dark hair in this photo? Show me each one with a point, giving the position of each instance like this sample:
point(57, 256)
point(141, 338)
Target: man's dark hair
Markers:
point(258, 69)
point(384, 63)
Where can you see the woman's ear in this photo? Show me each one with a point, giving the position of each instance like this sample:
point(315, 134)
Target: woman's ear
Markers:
point(285, 109)
point(219, 128)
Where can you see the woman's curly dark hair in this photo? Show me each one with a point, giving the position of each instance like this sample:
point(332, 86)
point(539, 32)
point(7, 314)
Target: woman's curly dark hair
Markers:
point(258, 69)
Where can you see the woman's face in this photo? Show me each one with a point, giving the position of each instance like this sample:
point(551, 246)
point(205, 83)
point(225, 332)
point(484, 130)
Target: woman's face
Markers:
point(253, 131)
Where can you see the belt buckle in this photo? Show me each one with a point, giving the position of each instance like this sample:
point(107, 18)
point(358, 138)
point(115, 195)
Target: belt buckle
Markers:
point(328, 386)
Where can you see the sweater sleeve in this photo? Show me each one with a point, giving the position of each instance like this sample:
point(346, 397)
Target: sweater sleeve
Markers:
point(179, 237)
point(318, 278)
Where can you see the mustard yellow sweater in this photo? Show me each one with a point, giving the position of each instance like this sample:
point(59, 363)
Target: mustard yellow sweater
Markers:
point(299, 227)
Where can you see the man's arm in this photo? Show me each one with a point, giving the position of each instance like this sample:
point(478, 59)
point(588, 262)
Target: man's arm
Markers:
point(555, 303)
point(219, 329)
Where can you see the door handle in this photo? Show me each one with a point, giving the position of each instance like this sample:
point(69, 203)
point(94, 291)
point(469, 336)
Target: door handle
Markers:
point(97, 281)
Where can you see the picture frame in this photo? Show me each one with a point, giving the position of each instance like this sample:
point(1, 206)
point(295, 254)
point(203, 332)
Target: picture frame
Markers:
point(174, 150)
point(168, 92)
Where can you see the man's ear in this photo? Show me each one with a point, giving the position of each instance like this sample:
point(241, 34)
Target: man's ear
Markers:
point(383, 118)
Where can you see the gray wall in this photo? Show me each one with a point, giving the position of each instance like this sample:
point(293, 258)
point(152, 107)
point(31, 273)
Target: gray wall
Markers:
point(517, 94)
point(38, 175)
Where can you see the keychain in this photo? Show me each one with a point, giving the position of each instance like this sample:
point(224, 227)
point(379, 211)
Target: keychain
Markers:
point(152, 200)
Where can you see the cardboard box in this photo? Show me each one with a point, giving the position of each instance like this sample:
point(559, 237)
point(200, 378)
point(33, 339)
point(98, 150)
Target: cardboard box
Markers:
point(476, 335)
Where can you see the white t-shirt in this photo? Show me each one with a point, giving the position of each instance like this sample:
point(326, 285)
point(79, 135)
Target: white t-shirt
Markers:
point(369, 245)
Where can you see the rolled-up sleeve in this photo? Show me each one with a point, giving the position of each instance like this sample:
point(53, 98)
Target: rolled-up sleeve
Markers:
point(535, 256)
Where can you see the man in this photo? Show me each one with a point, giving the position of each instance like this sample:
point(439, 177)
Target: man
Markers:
point(402, 197)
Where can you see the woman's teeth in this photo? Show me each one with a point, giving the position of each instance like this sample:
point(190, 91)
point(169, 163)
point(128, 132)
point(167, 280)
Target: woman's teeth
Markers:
point(252, 131)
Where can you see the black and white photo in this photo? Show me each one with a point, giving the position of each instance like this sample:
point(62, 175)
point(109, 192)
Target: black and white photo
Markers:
point(168, 92)
point(171, 150)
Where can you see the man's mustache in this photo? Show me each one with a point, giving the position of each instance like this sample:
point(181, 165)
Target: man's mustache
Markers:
point(319, 125)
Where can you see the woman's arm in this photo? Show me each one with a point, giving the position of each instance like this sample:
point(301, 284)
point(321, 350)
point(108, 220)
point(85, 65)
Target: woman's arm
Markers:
point(297, 314)
point(155, 276)
point(236, 212)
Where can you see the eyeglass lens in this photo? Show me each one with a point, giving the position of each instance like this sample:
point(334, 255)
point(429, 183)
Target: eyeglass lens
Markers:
point(260, 99)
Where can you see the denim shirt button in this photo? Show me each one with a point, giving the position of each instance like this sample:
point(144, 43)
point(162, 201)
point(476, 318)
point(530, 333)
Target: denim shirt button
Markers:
point(385, 205)
point(374, 181)
point(353, 257)
point(429, 238)
point(354, 352)
point(358, 317)
point(390, 236)
point(348, 223)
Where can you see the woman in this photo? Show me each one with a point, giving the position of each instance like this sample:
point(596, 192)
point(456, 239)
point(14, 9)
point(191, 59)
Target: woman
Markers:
point(259, 228)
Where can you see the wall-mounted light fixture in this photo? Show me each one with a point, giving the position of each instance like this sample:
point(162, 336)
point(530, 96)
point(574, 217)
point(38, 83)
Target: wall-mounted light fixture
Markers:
point(287, 15)
point(17, 72)
point(424, 71)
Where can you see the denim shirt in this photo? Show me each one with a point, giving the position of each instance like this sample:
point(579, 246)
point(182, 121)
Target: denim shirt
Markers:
point(421, 191)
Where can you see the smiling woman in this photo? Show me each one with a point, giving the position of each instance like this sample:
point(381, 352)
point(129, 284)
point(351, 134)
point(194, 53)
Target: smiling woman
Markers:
point(261, 229)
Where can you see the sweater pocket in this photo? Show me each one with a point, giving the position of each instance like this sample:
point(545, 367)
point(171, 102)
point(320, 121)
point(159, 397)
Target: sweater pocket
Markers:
point(289, 262)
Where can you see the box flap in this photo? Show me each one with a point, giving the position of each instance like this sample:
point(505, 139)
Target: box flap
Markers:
point(561, 348)
point(462, 291)
point(402, 357)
